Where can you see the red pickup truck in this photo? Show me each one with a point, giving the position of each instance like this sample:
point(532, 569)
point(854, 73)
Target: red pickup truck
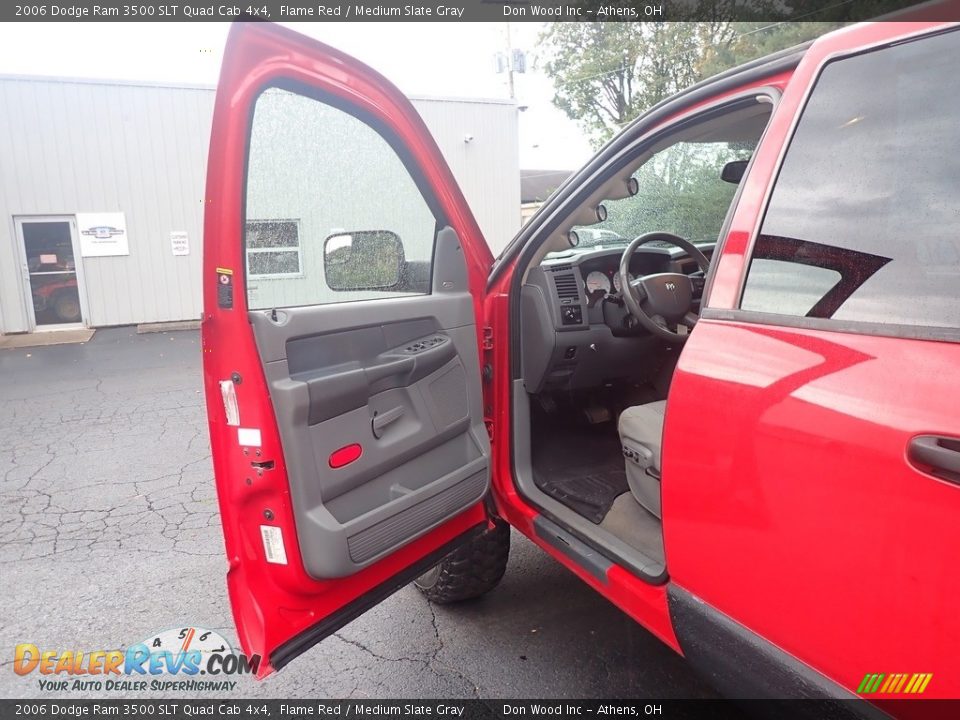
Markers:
point(734, 413)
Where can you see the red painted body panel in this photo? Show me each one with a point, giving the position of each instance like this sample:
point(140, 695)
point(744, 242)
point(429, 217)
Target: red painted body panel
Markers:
point(273, 603)
point(795, 512)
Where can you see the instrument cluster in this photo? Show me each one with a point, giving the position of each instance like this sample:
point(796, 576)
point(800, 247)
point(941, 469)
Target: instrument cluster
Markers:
point(607, 281)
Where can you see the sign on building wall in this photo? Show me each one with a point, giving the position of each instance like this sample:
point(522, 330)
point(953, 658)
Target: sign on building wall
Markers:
point(179, 242)
point(103, 234)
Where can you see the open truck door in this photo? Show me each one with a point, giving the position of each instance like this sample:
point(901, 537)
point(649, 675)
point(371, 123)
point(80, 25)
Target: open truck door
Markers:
point(343, 273)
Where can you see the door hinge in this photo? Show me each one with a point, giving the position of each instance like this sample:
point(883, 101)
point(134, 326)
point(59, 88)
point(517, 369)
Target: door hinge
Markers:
point(488, 338)
point(489, 424)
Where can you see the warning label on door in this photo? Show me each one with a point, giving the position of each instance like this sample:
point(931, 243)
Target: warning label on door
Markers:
point(225, 288)
point(273, 544)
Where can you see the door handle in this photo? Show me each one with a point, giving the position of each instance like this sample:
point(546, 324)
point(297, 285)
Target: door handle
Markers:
point(381, 420)
point(940, 454)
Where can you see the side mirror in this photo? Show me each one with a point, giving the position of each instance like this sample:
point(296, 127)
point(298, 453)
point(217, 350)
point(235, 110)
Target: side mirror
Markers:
point(733, 171)
point(363, 260)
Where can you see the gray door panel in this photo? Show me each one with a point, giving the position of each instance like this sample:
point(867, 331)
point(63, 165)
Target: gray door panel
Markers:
point(399, 377)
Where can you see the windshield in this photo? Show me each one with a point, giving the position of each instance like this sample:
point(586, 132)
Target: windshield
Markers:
point(680, 191)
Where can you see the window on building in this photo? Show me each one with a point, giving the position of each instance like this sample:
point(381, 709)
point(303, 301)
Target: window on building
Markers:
point(863, 224)
point(273, 248)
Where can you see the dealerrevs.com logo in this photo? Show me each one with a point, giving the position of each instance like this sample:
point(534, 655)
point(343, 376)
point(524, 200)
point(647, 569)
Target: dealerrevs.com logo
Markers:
point(170, 661)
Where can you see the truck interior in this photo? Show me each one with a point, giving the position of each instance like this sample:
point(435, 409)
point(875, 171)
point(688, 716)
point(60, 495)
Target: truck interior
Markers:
point(596, 359)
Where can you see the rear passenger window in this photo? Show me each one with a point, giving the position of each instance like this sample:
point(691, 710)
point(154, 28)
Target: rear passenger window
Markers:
point(863, 223)
point(332, 213)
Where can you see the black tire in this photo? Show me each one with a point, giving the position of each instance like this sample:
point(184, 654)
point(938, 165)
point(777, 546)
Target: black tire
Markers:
point(66, 306)
point(469, 571)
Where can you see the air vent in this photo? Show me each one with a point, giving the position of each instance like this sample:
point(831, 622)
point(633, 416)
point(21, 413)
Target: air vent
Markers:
point(561, 268)
point(566, 286)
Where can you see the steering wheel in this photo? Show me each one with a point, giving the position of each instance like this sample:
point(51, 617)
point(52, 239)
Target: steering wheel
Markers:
point(663, 299)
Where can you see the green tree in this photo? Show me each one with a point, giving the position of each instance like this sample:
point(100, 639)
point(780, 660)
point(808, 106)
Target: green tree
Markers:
point(592, 66)
point(605, 74)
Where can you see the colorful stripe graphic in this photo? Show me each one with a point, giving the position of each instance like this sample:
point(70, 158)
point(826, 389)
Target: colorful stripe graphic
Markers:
point(892, 683)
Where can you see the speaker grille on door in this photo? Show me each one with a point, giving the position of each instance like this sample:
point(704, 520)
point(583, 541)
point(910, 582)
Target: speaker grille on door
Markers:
point(448, 397)
point(405, 525)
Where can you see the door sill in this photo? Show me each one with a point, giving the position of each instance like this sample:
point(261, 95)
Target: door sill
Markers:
point(649, 570)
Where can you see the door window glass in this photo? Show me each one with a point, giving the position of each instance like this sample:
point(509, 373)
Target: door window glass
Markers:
point(864, 221)
point(809, 284)
point(53, 272)
point(323, 187)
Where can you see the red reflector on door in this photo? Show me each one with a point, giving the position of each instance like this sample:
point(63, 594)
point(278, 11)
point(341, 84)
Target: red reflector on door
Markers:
point(345, 455)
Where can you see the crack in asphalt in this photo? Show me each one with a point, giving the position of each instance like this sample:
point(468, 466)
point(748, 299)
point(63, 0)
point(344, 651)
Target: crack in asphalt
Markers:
point(432, 663)
point(71, 497)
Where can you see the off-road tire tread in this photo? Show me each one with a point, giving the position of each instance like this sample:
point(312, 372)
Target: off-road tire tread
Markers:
point(473, 568)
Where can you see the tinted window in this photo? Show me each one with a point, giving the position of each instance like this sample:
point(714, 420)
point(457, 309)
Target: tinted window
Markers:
point(807, 283)
point(864, 221)
point(316, 173)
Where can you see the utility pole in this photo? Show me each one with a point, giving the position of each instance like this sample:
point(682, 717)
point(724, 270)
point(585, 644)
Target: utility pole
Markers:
point(511, 62)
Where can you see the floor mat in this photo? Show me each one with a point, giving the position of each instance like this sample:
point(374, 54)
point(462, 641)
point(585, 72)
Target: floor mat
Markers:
point(589, 495)
point(580, 466)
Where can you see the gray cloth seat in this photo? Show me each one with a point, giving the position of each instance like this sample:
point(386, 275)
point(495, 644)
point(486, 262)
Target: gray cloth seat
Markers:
point(641, 431)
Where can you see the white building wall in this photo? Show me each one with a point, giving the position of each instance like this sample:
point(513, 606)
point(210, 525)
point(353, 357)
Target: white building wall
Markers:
point(69, 147)
point(487, 168)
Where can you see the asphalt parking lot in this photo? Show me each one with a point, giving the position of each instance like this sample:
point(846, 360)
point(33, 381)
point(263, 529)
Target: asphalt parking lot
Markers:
point(109, 533)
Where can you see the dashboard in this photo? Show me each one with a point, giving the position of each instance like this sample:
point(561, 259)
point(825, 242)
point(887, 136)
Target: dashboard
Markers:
point(576, 330)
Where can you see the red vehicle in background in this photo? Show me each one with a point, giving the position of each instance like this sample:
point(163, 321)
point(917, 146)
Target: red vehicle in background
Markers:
point(53, 293)
point(740, 424)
